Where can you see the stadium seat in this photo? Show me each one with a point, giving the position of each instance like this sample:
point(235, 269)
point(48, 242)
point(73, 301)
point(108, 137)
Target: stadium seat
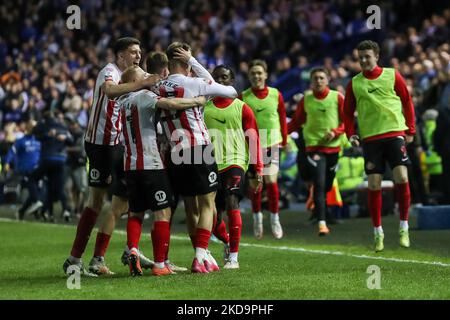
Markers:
point(433, 217)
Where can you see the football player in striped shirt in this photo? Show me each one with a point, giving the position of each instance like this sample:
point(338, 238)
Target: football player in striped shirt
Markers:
point(147, 181)
point(192, 166)
point(102, 144)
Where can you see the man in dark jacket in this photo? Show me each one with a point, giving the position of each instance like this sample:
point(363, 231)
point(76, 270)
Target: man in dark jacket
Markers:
point(54, 137)
point(441, 141)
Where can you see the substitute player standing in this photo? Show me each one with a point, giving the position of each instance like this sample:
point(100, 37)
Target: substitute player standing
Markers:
point(320, 112)
point(268, 106)
point(102, 144)
point(234, 133)
point(386, 125)
point(147, 181)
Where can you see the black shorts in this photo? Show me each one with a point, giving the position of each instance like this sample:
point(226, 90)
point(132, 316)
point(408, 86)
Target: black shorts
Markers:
point(392, 150)
point(106, 167)
point(320, 168)
point(148, 189)
point(271, 155)
point(231, 182)
point(193, 177)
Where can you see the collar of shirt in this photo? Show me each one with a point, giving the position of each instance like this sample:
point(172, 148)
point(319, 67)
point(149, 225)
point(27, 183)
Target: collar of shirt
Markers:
point(373, 74)
point(221, 102)
point(261, 93)
point(322, 95)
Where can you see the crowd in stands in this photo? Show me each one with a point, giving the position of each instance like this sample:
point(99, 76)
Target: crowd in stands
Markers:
point(46, 66)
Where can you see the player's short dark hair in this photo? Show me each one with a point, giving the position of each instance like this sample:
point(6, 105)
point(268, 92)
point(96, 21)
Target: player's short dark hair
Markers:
point(222, 66)
point(170, 51)
point(258, 62)
point(122, 44)
point(156, 62)
point(319, 69)
point(369, 45)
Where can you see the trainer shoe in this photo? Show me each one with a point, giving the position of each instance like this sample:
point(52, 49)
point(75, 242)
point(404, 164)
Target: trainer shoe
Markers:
point(162, 271)
point(146, 263)
point(323, 230)
point(226, 252)
point(230, 264)
point(404, 238)
point(210, 263)
point(198, 267)
point(134, 263)
point(258, 225)
point(34, 207)
point(379, 246)
point(174, 267)
point(66, 216)
point(70, 268)
point(97, 265)
point(277, 230)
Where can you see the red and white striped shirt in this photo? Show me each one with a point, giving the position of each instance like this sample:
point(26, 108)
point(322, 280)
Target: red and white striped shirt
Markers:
point(139, 131)
point(188, 127)
point(104, 125)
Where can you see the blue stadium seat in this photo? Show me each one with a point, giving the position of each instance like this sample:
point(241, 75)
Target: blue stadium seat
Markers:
point(433, 217)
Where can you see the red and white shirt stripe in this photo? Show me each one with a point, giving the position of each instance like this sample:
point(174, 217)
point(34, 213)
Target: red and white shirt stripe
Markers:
point(139, 131)
point(104, 125)
point(188, 127)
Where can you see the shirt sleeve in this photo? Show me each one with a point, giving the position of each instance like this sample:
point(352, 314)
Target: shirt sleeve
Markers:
point(210, 88)
point(110, 74)
point(252, 137)
point(282, 115)
point(408, 108)
point(147, 99)
point(199, 70)
point(341, 128)
point(299, 117)
point(349, 111)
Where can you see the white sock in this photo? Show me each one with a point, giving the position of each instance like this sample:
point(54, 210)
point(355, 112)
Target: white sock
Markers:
point(159, 265)
point(404, 224)
point(322, 223)
point(234, 256)
point(378, 230)
point(167, 261)
point(258, 216)
point(74, 260)
point(200, 254)
point(274, 217)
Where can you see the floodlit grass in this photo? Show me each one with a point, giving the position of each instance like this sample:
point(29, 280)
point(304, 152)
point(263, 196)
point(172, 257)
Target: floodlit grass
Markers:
point(334, 267)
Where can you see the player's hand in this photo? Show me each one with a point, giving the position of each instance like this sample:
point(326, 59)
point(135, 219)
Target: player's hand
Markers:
point(330, 135)
point(409, 139)
point(259, 182)
point(200, 100)
point(61, 137)
point(150, 80)
point(354, 140)
point(182, 55)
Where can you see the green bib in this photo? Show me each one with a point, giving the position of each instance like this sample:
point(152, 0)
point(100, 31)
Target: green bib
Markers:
point(321, 117)
point(267, 117)
point(227, 134)
point(379, 108)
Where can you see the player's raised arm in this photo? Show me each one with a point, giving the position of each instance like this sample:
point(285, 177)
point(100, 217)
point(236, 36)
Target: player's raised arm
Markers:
point(180, 103)
point(211, 88)
point(114, 90)
point(199, 69)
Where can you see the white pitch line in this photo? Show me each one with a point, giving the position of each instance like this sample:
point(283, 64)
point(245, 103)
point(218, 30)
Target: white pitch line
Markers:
point(281, 248)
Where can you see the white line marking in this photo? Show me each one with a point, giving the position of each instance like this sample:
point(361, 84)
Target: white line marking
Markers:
point(282, 248)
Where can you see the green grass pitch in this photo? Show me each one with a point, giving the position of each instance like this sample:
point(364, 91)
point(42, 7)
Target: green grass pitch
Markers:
point(300, 266)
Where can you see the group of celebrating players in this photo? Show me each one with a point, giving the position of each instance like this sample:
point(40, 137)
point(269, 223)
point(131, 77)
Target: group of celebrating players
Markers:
point(176, 130)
